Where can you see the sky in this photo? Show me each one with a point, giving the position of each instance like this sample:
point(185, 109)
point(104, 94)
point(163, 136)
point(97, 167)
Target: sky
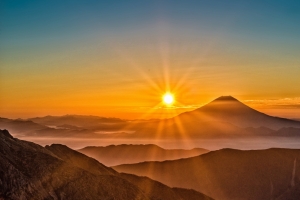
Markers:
point(117, 58)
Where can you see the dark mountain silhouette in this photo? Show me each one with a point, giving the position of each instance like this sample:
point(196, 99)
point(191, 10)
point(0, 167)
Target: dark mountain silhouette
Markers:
point(123, 154)
point(230, 174)
point(30, 171)
point(230, 110)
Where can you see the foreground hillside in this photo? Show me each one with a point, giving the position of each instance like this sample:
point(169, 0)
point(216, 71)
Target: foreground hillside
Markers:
point(30, 171)
point(230, 174)
point(124, 154)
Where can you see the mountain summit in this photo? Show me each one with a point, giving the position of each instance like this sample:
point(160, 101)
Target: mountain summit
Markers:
point(225, 98)
point(228, 109)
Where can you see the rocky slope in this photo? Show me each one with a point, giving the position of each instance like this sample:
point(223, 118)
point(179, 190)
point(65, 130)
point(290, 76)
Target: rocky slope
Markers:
point(30, 171)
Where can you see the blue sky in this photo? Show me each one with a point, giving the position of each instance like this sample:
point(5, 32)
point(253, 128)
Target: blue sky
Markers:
point(56, 20)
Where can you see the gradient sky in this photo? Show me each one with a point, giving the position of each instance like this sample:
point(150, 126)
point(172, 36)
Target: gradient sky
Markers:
point(117, 58)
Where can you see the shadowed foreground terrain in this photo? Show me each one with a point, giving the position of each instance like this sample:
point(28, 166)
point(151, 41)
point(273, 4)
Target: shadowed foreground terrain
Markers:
point(229, 174)
point(125, 154)
point(30, 171)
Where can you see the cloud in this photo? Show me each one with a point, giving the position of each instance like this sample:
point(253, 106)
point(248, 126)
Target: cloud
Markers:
point(283, 103)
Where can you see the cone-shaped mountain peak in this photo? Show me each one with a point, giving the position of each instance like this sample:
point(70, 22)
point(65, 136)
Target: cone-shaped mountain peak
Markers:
point(230, 110)
point(227, 104)
point(225, 98)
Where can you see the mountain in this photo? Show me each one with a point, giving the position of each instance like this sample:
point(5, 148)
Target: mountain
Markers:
point(161, 191)
point(80, 160)
point(19, 126)
point(80, 121)
point(123, 154)
point(27, 128)
point(230, 174)
point(224, 117)
point(30, 171)
point(230, 110)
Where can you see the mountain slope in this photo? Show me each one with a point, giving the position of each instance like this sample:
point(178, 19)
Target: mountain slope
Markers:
point(224, 117)
point(79, 160)
point(158, 190)
point(230, 110)
point(153, 189)
point(123, 154)
point(29, 171)
point(228, 174)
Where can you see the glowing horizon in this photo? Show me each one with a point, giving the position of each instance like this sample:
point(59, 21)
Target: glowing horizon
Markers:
point(117, 60)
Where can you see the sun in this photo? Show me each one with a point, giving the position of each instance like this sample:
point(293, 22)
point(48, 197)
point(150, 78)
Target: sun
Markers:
point(168, 98)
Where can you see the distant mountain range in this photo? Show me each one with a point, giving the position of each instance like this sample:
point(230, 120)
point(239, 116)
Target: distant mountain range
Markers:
point(122, 154)
point(30, 171)
point(78, 121)
point(230, 174)
point(224, 117)
point(230, 110)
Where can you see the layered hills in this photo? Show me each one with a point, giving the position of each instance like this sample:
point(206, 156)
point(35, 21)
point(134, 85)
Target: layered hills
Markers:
point(228, 173)
point(123, 154)
point(30, 171)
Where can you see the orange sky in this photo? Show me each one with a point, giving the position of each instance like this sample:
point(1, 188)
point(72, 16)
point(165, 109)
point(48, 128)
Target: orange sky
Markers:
point(119, 62)
point(130, 83)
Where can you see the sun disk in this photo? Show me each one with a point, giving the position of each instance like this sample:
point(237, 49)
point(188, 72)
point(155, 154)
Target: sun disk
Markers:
point(168, 98)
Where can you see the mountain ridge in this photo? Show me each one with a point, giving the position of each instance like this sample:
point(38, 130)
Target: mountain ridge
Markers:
point(121, 154)
point(30, 171)
point(229, 173)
